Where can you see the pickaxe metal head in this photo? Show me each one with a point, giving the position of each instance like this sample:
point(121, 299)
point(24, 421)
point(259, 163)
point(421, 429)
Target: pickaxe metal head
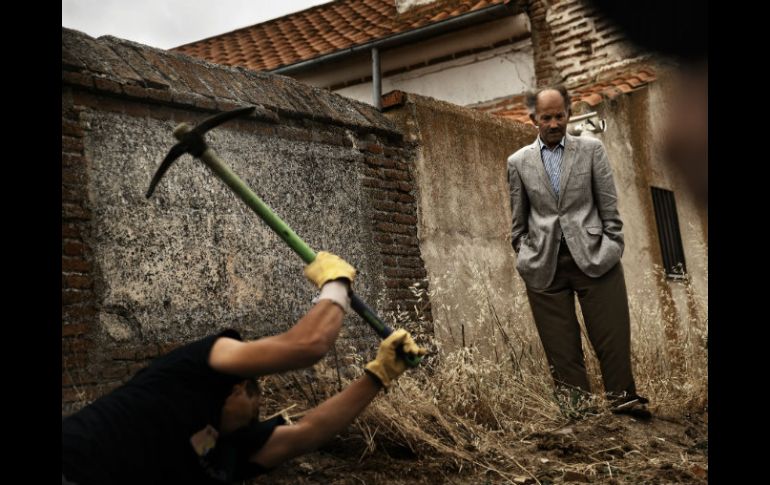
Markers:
point(191, 141)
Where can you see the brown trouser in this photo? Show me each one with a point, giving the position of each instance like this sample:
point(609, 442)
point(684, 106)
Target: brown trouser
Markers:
point(604, 304)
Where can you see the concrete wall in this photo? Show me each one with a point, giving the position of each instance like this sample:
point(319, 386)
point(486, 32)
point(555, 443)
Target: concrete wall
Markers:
point(572, 42)
point(142, 276)
point(633, 142)
point(464, 220)
point(470, 79)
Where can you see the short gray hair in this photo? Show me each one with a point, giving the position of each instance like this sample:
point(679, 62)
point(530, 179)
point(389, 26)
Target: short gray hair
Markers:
point(530, 99)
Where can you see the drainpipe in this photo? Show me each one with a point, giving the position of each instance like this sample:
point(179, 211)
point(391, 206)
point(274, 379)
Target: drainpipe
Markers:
point(376, 78)
point(432, 30)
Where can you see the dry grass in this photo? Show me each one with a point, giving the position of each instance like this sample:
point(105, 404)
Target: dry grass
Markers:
point(490, 413)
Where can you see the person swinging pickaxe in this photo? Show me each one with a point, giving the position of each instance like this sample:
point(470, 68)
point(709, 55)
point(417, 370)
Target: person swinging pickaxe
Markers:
point(191, 141)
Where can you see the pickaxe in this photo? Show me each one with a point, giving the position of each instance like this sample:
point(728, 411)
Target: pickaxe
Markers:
point(191, 141)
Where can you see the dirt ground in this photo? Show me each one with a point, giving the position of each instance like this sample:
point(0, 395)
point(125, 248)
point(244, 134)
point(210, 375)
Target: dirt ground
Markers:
point(603, 448)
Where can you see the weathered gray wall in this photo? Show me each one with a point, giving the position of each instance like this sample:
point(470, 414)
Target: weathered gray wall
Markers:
point(465, 219)
point(142, 276)
point(633, 140)
point(194, 258)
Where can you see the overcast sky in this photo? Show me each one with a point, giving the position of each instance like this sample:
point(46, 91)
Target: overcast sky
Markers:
point(170, 23)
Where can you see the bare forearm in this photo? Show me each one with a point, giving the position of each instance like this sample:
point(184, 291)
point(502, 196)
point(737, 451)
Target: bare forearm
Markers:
point(336, 413)
point(319, 425)
point(322, 322)
point(301, 346)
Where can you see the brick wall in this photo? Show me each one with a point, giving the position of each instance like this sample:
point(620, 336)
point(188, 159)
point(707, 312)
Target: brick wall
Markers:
point(572, 42)
point(390, 186)
point(118, 315)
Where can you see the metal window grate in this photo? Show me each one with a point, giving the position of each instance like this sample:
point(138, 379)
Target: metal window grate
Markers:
point(668, 233)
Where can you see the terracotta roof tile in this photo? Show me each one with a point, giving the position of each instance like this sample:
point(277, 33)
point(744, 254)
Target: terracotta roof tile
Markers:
point(592, 93)
point(321, 30)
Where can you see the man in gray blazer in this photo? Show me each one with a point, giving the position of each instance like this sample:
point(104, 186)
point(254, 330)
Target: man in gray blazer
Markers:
point(567, 235)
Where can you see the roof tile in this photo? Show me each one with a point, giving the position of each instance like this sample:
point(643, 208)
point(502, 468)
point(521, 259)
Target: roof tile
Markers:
point(321, 30)
point(593, 93)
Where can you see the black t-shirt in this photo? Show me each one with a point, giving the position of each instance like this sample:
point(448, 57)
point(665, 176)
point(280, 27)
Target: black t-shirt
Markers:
point(140, 432)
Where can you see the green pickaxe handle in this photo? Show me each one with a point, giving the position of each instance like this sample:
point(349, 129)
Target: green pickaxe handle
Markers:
point(286, 233)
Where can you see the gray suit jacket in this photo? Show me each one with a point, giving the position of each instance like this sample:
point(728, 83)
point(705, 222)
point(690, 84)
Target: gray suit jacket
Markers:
point(586, 211)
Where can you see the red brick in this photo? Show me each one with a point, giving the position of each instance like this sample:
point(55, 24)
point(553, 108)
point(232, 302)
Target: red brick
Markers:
point(123, 354)
point(75, 264)
point(71, 128)
point(373, 148)
point(378, 184)
point(411, 262)
point(78, 345)
point(406, 240)
point(147, 352)
point(399, 250)
point(382, 238)
point(77, 78)
point(71, 394)
point(137, 110)
point(389, 151)
point(77, 281)
point(134, 91)
point(78, 312)
point(381, 216)
point(398, 272)
point(73, 248)
point(114, 371)
point(161, 112)
point(75, 211)
point(78, 378)
point(107, 85)
point(135, 367)
point(395, 228)
point(380, 162)
point(71, 144)
point(75, 296)
point(74, 329)
point(384, 205)
point(404, 219)
point(114, 105)
point(72, 194)
point(71, 160)
point(397, 175)
point(391, 283)
point(83, 98)
point(70, 230)
point(393, 99)
point(73, 177)
point(373, 172)
point(73, 361)
point(405, 208)
point(163, 95)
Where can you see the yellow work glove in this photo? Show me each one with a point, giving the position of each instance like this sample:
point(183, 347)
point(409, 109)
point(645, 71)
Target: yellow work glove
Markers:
point(328, 267)
point(387, 366)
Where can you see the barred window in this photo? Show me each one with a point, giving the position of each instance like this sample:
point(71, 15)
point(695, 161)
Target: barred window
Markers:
point(668, 233)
